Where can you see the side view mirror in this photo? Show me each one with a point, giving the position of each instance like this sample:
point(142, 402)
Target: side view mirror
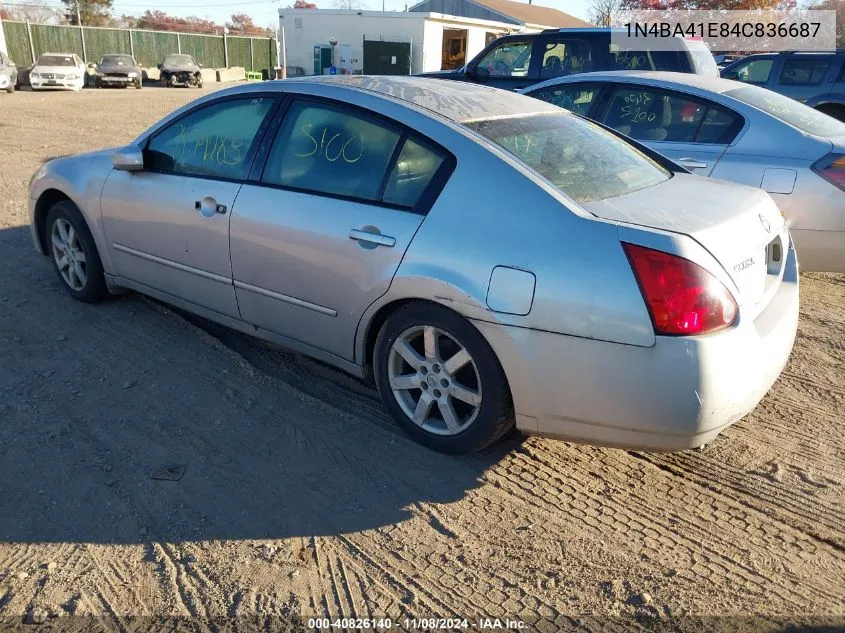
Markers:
point(92, 65)
point(730, 75)
point(129, 158)
point(471, 69)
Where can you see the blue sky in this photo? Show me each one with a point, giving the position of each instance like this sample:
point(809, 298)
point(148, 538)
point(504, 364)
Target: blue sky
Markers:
point(264, 11)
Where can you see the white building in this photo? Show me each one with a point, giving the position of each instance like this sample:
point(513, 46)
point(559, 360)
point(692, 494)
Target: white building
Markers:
point(432, 35)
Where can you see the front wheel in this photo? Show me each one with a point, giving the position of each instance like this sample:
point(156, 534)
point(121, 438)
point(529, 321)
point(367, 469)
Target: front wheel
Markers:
point(74, 253)
point(440, 379)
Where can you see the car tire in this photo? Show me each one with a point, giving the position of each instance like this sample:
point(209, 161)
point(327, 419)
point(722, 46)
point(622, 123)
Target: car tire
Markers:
point(10, 88)
point(475, 390)
point(139, 84)
point(61, 219)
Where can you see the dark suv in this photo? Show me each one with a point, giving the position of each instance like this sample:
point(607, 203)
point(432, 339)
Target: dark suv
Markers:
point(814, 79)
point(518, 61)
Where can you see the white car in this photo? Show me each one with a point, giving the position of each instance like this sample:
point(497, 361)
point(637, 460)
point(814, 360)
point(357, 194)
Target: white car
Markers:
point(58, 71)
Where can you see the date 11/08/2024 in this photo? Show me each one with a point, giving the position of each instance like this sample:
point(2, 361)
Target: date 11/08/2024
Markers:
point(417, 624)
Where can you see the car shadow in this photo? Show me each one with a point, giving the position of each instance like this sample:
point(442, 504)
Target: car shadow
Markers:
point(122, 422)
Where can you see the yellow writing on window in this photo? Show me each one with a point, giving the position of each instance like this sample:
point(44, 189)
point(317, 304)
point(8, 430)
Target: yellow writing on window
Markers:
point(332, 146)
point(213, 148)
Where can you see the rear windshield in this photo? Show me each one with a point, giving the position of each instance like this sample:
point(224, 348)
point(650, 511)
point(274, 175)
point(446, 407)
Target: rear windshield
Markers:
point(579, 158)
point(789, 111)
point(117, 60)
point(180, 60)
point(55, 60)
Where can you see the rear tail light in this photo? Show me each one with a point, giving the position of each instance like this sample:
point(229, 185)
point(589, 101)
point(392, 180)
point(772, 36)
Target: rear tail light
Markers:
point(832, 169)
point(681, 296)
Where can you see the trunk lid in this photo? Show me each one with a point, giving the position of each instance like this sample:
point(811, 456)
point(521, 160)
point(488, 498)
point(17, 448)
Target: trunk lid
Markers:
point(738, 225)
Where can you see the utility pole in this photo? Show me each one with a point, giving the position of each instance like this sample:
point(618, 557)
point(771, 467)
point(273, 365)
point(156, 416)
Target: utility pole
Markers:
point(78, 15)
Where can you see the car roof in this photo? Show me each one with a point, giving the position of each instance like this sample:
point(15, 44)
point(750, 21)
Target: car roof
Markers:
point(704, 82)
point(456, 100)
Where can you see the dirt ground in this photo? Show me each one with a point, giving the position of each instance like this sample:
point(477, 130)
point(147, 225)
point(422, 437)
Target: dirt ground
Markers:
point(301, 498)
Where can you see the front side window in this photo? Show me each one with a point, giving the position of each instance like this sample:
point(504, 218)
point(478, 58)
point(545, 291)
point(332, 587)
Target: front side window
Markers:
point(509, 59)
point(803, 72)
point(579, 158)
point(574, 97)
point(755, 71)
point(331, 150)
point(213, 141)
point(567, 57)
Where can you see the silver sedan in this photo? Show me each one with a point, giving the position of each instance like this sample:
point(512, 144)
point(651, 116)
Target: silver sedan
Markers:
point(490, 260)
point(732, 131)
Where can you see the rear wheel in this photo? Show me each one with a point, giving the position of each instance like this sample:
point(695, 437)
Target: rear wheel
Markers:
point(440, 379)
point(74, 253)
point(10, 88)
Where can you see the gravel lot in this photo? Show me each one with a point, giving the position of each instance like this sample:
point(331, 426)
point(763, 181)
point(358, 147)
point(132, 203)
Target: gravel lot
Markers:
point(299, 495)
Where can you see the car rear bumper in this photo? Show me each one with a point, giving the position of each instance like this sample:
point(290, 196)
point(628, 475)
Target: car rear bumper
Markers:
point(679, 393)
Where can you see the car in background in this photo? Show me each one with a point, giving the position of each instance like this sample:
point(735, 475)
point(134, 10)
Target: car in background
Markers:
point(489, 259)
point(815, 79)
point(724, 59)
point(118, 70)
point(180, 70)
point(58, 71)
point(514, 62)
point(8, 73)
point(727, 130)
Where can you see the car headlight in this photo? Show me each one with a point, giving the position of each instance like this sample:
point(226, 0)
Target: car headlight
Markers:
point(34, 74)
point(133, 75)
point(72, 76)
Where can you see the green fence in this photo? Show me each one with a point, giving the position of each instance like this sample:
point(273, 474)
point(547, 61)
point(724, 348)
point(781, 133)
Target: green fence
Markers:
point(148, 47)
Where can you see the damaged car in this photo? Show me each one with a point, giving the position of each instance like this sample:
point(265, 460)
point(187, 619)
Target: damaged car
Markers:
point(8, 73)
point(118, 70)
point(180, 70)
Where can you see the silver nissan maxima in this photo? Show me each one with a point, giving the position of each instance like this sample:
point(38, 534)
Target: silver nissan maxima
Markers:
point(490, 260)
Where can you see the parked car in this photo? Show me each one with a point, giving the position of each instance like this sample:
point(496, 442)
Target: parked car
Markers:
point(514, 62)
point(118, 70)
point(180, 70)
point(724, 59)
point(8, 73)
point(814, 79)
point(724, 129)
point(58, 71)
point(490, 259)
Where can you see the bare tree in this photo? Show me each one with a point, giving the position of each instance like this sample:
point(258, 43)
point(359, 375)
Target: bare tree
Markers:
point(348, 4)
point(602, 12)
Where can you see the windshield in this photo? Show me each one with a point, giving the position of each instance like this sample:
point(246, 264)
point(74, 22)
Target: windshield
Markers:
point(178, 60)
point(55, 60)
point(116, 60)
point(789, 111)
point(579, 158)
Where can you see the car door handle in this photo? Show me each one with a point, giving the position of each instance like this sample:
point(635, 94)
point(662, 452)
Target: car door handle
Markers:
point(692, 163)
point(372, 238)
point(218, 208)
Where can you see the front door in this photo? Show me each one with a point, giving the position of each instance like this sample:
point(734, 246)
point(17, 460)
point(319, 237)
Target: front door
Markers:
point(167, 226)
point(319, 240)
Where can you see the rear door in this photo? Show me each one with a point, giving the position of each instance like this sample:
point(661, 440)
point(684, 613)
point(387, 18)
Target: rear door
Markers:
point(690, 131)
point(318, 235)
point(807, 78)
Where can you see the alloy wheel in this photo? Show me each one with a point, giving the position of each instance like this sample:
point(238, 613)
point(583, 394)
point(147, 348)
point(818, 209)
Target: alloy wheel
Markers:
point(434, 380)
point(69, 255)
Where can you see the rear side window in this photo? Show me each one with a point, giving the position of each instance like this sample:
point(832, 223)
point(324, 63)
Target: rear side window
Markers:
point(574, 97)
point(332, 150)
point(626, 59)
point(213, 141)
point(579, 158)
point(568, 56)
point(803, 72)
point(647, 114)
